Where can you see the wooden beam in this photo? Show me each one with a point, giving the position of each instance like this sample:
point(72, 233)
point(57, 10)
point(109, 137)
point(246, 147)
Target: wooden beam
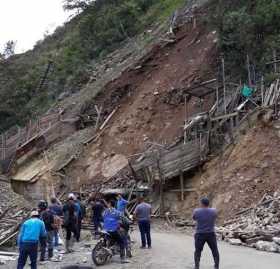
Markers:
point(184, 190)
point(182, 185)
point(227, 116)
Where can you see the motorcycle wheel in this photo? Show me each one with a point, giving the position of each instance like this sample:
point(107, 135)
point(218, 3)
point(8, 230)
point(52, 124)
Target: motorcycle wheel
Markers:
point(99, 255)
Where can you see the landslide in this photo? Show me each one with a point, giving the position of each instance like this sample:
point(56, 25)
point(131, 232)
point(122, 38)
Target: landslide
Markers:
point(238, 178)
point(150, 106)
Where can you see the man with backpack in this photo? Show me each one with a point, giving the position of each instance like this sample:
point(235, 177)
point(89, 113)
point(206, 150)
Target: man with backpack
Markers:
point(48, 218)
point(56, 208)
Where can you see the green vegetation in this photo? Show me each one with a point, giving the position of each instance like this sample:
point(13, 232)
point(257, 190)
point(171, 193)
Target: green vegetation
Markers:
point(98, 30)
point(247, 27)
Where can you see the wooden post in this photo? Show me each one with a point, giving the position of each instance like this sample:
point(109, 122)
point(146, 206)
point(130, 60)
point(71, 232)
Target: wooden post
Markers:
point(182, 185)
point(224, 84)
point(161, 191)
point(275, 59)
point(249, 71)
point(262, 89)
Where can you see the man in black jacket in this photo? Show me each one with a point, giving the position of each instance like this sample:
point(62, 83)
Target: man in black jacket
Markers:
point(48, 218)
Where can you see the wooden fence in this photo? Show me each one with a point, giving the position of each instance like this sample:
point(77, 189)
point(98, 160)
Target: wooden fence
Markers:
point(15, 138)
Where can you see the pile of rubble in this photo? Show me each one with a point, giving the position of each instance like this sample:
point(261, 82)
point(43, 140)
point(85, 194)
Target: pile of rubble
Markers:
point(13, 210)
point(257, 227)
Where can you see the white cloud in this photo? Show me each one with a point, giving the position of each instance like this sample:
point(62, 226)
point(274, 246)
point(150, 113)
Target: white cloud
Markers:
point(26, 21)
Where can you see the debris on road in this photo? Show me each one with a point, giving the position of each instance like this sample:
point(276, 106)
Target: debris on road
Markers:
point(257, 227)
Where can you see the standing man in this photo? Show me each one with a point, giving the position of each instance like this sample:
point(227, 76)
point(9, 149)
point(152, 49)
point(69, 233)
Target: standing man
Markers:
point(70, 213)
point(48, 218)
point(30, 233)
point(121, 204)
point(81, 216)
point(142, 214)
point(56, 209)
point(112, 218)
point(97, 215)
point(205, 232)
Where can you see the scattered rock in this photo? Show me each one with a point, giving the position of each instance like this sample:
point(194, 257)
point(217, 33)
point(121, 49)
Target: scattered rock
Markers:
point(235, 242)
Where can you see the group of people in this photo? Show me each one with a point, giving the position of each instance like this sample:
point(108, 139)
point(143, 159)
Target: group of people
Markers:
point(44, 226)
point(42, 229)
point(113, 217)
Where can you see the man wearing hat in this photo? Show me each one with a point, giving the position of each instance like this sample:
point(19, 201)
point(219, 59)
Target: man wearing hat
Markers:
point(205, 218)
point(31, 231)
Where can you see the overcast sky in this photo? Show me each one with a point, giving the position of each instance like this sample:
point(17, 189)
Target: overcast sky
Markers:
point(26, 21)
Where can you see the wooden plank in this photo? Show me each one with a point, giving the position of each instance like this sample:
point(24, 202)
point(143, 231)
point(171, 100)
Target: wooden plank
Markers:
point(182, 185)
point(108, 119)
point(227, 116)
point(184, 190)
point(268, 94)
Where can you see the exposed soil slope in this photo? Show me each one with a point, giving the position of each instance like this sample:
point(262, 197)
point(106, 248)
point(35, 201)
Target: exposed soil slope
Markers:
point(242, 175)
point(145, 113)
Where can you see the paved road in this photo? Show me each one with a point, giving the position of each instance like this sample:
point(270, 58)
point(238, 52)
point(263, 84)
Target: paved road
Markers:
point(176, 251)
point(173, 251)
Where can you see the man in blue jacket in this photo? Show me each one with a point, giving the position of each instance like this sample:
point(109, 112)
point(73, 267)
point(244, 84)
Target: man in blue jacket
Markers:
point(112, 218)
point(121, 204)
point(30, 233)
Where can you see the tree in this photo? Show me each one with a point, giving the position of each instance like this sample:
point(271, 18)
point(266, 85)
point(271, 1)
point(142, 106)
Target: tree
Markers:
point(79, 5)
point(9, 49)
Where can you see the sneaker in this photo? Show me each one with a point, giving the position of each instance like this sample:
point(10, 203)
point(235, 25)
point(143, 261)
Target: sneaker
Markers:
point(143, 247)
point(149, 247)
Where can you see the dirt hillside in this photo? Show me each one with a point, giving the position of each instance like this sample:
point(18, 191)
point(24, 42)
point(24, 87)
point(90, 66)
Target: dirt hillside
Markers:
point(148, 101)
point(240, 177)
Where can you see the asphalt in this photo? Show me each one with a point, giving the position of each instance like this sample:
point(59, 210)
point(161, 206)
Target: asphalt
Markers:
point(171, 250)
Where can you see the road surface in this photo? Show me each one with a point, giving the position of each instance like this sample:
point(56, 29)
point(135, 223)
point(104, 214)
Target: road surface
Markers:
point(172, 250)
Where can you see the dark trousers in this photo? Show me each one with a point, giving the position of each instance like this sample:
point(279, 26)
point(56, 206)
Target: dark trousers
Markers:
point(47, 243)
point(79, 228)
point(211, 240)
point(71, 229)
point(145, 231)
point(28, 250)
point(116, 237)
point(97, 223)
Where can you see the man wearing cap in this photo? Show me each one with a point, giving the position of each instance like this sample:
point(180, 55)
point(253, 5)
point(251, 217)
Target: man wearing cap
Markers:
point(205, 218)
point(30, 233)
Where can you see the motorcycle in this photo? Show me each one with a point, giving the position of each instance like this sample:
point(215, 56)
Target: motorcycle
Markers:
point(106, 248)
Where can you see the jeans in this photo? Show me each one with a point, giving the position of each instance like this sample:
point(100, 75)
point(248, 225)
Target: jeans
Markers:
point(145, 231)
point(56, 238)
point(28, 250)
point(47, 243)
point(211, 240)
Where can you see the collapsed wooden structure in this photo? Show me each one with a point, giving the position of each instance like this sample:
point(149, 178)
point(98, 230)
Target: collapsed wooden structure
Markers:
point(36, 135)
point(207, 131)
